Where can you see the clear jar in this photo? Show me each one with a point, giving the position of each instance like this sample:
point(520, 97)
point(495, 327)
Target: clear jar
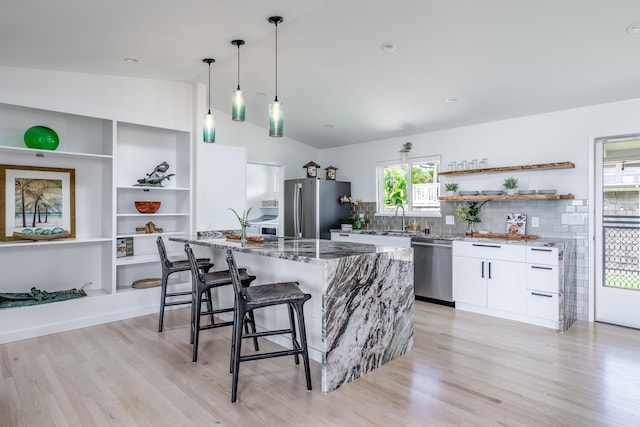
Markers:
point(452, 166)
point(484, 163)
point(462, 165)
point(473, 164)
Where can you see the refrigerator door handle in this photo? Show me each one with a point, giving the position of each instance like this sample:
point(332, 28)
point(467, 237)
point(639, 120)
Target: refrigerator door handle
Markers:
point(297, 210)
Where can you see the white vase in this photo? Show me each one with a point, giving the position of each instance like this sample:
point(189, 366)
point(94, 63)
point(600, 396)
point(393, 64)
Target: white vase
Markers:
point(511, 191)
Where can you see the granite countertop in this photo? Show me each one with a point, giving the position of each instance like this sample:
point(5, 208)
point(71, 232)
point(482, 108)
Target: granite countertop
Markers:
point(540, 241)
point(317, 251)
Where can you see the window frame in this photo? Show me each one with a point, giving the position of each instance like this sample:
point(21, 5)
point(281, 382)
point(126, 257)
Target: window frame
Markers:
point(381, 165)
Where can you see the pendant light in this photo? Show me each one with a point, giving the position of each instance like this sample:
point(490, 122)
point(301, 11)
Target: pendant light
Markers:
point(209, 130)
point(275, 108)
point(238, 102)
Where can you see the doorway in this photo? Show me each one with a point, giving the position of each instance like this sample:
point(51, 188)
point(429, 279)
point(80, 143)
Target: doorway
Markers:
point(617, 225)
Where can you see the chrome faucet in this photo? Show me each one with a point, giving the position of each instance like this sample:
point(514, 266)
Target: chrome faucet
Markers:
point(396, 215)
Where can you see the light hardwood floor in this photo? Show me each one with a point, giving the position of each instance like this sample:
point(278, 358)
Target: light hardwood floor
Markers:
point(466, 369)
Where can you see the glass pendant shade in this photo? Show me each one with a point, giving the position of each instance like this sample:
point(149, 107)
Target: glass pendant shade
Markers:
point(237, 107)
point(276, 119)
point(209, 129)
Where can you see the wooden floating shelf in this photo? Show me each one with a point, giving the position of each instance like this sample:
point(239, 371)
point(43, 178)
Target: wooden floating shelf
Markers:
point(559, 165)
point(514, 197)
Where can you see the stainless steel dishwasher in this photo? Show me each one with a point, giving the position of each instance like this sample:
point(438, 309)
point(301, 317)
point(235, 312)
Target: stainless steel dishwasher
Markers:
point(432, 270)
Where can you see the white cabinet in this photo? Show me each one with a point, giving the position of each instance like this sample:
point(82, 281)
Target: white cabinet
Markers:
point(224, 186)
point(543, 286)
point(508, 280)
point(489, 277)
point(372, 239)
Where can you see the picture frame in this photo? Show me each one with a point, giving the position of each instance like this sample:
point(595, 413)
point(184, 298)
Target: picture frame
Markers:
point(48, 196)
point(124, 247)
point(516, 223)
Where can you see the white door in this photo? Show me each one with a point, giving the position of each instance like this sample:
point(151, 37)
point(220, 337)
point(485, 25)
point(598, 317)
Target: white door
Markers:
point(470, 280)
point(617, 176)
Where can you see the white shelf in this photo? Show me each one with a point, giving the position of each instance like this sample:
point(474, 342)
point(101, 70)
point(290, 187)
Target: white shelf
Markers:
point(137, 259)
point(76, 241)
point(140, 187)
point(142, 234)
point(50, 153)
point(149, 215)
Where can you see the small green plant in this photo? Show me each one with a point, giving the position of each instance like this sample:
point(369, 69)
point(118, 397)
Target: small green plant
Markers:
point(510, 183)
point(244, 222)
point(451, 186)
point(470, 212)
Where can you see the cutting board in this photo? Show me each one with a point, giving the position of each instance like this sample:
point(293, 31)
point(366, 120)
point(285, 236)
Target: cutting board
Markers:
point(505, 236)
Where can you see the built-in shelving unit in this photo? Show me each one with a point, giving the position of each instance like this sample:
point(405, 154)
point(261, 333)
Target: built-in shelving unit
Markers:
point(108, 157)
point(482, 197)
point(559, 165)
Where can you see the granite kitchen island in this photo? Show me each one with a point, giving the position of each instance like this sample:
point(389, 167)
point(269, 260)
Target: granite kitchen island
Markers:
point(360, 315)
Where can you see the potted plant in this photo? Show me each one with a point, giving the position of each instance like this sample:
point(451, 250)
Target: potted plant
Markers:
point(451, 188)
point(470, 213)
point(244, 222)
point(510, 184)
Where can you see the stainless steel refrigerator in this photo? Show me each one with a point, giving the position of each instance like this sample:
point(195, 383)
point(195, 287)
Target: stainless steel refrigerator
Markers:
point(312, 207)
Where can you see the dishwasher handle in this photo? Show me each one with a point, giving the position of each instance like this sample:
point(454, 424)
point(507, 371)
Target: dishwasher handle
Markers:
point(431, 245)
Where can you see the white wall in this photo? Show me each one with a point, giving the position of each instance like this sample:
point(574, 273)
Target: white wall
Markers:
point(551, 137)
point(145, 101)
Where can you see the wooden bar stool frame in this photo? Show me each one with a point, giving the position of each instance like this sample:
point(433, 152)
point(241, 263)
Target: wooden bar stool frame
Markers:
point(168, 268)
point(202, 283)
point(256, 297)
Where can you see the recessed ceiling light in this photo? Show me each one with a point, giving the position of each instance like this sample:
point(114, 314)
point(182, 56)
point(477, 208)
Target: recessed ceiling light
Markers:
point(328, 126)
point(634, 28)
point(261, 94)
point(388, 47)
point(451, 99)
point(130, 60)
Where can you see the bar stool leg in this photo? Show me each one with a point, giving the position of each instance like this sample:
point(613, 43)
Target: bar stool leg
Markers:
point(196, 323)
point(292, 325)
point(303, 341)
point(162, 300)
point(252, 322)
point(237, 345)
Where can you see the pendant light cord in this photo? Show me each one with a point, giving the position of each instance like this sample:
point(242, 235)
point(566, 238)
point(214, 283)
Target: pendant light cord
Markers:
point(238, 66)
point(276, 100)
point(209, 103)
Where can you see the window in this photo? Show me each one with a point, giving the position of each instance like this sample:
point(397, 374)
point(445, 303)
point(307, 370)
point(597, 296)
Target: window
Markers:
point(414, 184)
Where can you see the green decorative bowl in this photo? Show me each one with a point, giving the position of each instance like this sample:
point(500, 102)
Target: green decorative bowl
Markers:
point(41, 137)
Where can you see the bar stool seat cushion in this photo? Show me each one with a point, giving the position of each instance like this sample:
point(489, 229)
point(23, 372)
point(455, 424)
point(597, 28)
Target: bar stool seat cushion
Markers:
point(274, 293)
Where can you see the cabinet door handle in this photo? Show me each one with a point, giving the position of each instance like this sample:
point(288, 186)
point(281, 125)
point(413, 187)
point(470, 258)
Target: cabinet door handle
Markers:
point(486, 246)
point(541, 295)
point(541, 250)
point(489, 270)
point(482, 271)
point(344, 235)
point(541, 268)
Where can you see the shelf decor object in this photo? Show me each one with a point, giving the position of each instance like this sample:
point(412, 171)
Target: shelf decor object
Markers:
point(238, 102)
point(209, 129)
point(312, 169)
point(36, 197)
point(331, 173)
point(41, 137)
point(276, 114)
point(147, 207)
point(29, 234)
point(154, 179)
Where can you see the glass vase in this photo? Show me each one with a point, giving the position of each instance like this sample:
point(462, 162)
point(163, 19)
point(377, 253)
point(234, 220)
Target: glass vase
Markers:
point(470, 227)
point(243, 235)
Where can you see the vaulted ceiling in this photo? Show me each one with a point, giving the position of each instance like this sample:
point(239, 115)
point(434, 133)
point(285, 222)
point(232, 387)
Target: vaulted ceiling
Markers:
point(338, 77)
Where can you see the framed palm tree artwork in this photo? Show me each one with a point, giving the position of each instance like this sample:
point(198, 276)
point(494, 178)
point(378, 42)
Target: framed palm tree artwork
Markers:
point(37, 203)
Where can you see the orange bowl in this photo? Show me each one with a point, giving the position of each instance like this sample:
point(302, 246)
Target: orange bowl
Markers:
point(145, 207)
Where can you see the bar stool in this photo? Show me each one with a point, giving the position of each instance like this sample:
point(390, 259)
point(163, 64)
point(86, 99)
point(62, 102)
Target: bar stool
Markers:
point(202, 283)
point(169, 267)
point(255, 297)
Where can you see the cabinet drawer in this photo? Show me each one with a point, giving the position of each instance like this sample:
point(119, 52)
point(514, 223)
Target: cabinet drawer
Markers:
point(543, 305)
point(389, 241)
point(542, 255)
point(488, 250)
point(345, 237)
point(542, 277)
